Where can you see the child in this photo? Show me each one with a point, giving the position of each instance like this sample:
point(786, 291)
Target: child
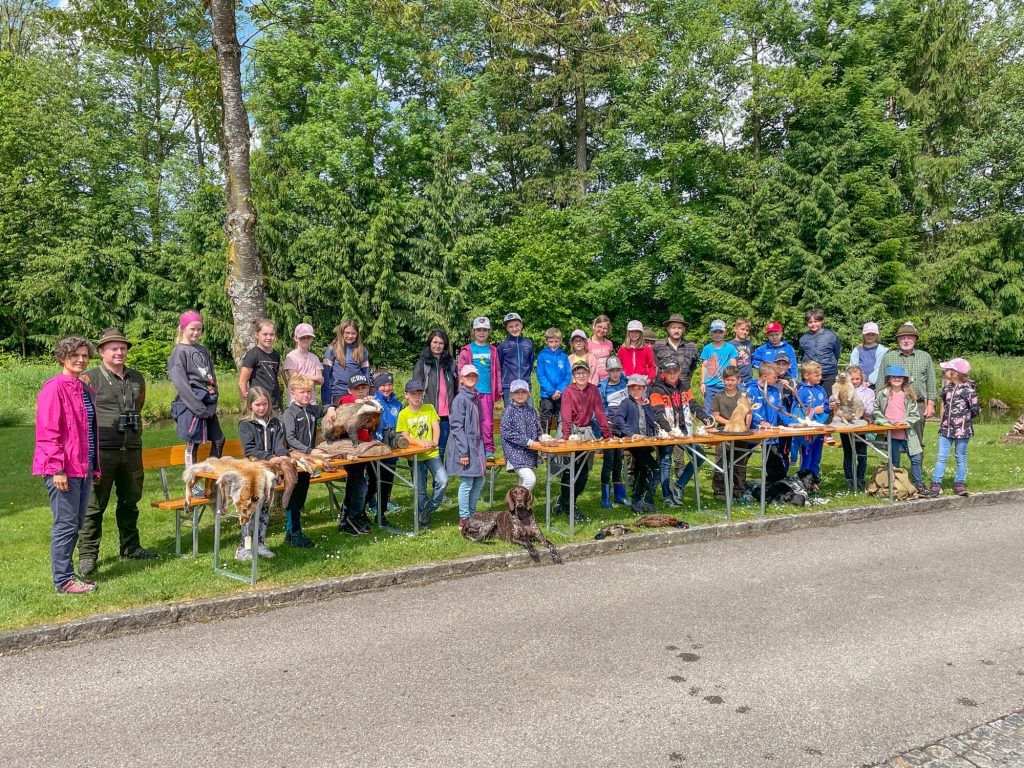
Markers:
point(262, 436)
point(722, 408)
point(634, 417)
point(354, 521)
point(194, 408)
point(600, 346)
point(896, 403)
point(578, 354)
point(581, 405)
point(299, 421)
point(868, 354)
point(515, 354)
point(345, 357)
point(553, 376)
point(484, 357)
point(301, 360)
point(613, 391)
point(419, 421)
point(520, 426)
point(635, 355)
point(777, 351)
point(812, 401)
point(674, 406)
point(744, 349)
point(959, 407)
point(715, 357)
point(820, 345)
point(261, 364)
point(850, 445)
point(467, 460)
point(384, 383)
point(436, 370)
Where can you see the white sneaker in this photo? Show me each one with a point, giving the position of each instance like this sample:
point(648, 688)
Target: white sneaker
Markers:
point(262, 551)
point(242, 554)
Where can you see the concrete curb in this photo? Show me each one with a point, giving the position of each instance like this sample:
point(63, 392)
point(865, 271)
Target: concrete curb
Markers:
point(137, 620)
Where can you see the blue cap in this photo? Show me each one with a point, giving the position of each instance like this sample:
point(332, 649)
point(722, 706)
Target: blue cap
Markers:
point(896, 370)
point(414, 385)
point(718, 325)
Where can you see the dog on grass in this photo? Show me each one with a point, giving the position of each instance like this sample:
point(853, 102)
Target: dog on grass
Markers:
point(516, 525)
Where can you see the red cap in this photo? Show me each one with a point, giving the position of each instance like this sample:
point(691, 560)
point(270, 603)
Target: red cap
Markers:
point(772, 327)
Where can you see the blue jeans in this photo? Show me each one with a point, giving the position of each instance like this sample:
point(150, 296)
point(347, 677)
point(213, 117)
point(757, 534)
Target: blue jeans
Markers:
point(68, 508)
point(442, 440)
point(436, 469)
point(901, 446)
point(665, 459)
point(710, 390)
point(469, 495)
point(959, 445)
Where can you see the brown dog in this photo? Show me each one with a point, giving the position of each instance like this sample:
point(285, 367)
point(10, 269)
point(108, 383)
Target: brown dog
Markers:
point(517, 525)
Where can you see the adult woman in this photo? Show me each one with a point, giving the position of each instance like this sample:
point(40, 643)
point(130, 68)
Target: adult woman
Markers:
point(67, 457)
point(436, 369)
point(345, 356)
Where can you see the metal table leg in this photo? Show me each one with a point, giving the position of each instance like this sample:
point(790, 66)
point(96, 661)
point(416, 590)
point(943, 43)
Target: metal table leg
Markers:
point(888, 443)
point(572, 493)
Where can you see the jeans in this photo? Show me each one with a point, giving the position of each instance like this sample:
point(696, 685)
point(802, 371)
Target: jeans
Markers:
point(647, 475)
point(710, 390)
point(611, 466)
point(122, 472)
point(901, 446)
point(387, 482)
point(853, 448)
point(469, 495)
point(355, 492)
point(293, 514)
point(436, 469)
point(68, 508)
point(263, 513)
point(442, 439)
point(665, 459)
point(959, 445)
point(550, 411)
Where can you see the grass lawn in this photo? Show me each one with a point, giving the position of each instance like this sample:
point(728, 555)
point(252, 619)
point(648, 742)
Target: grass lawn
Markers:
point(28, 598)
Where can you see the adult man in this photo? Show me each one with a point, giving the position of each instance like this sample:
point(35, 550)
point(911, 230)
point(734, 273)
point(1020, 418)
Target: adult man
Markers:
point(120, 394)
point(920, 369)
point(676, 348)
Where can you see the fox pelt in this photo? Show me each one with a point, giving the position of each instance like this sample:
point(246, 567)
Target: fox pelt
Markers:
point(348, 418)
point(249, 484)
point(287, 472)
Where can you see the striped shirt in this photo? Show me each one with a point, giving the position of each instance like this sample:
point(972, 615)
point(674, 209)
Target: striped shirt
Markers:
point(90, 414)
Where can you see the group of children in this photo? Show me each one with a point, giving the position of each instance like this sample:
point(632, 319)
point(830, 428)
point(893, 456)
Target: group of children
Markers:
point(593, 389)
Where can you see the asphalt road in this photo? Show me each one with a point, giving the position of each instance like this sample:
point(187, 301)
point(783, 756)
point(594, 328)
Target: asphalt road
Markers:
point(826, 647)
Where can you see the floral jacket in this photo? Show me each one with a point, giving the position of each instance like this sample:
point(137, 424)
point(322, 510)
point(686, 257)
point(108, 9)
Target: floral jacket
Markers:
point(959, 407)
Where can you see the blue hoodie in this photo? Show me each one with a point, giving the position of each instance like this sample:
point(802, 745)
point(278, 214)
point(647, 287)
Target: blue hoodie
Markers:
point(516, 357)
point(388, 419)
point(553, 372)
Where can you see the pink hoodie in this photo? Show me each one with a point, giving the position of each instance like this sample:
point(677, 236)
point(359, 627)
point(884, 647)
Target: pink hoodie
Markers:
point(62, 429)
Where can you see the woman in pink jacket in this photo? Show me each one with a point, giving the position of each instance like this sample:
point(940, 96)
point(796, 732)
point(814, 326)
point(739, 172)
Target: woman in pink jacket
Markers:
point(66, 457)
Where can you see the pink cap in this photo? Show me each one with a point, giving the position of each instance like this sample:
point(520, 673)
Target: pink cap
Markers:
point(869, 328)
point(957, 364)
point(468, 370)
point(302, 330)
point(189, 317)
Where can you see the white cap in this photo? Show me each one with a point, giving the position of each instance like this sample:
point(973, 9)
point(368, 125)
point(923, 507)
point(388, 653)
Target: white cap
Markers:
point(482, 322)
point(578, 334)
point(634, 325)
point(869, 328)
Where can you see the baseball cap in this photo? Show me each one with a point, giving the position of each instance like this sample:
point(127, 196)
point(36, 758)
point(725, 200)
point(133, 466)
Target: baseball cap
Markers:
point(580, 364)
point(612, 363)
point(469, 370)
point(577, 334)
point(357, 380)
point(510, 317)
point(957, 364)
point(482, 322)
point(302, 330)
point(414, 385)
point(670, 365)
point(383, 378)
point(869, 328)
point(634, 325)
point(718, 325)
point(637, 379)
point(772, 327)
point(518, 385)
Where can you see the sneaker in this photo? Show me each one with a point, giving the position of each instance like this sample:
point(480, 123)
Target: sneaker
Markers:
point(462, 521)
point(198, 491)
point(243, 555)
point(363, 525)
point(960, 489)
point(298, 539)
point(139, 554)
point(393, 508)
point(348, 527)
point(76, 586)
point(262, 551)
point(86, 565)
point(935, 490)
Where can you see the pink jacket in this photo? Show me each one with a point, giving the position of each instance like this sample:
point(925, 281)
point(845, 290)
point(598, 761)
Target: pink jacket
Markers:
point(62, 429)
point(466, 358)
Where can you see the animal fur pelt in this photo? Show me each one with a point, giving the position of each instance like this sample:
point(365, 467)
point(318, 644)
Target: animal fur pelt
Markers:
point(516, 524)
point(849, 408)
point(248, 484)
point(660, 521)
point(287, 473)
point(794, 490)
point(312, 465)
point(737, 423)
point(348, 418)
point(615, 529)
point(352, 449)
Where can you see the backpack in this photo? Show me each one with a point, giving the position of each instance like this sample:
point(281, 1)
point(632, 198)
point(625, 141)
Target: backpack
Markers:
point(902, 488)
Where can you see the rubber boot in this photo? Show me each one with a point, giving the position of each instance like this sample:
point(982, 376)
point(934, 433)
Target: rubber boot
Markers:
point(620, 494)
point(606, 497)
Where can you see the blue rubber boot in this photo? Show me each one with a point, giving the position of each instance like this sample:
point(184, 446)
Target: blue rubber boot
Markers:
point(606, 497)
point(620, 494)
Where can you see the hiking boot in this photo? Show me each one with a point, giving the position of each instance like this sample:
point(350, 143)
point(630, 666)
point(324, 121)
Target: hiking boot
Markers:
point(76, 586)
point(922, 492)
point(935, 490)
point(298, 539)
point(243, 555)
point(262, 551)
point(139, 554)
point(960, 489)
point(347, 526)
point(86, 565)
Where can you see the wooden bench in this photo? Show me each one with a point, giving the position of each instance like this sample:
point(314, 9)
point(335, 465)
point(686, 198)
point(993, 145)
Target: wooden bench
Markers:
point(191, 514)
